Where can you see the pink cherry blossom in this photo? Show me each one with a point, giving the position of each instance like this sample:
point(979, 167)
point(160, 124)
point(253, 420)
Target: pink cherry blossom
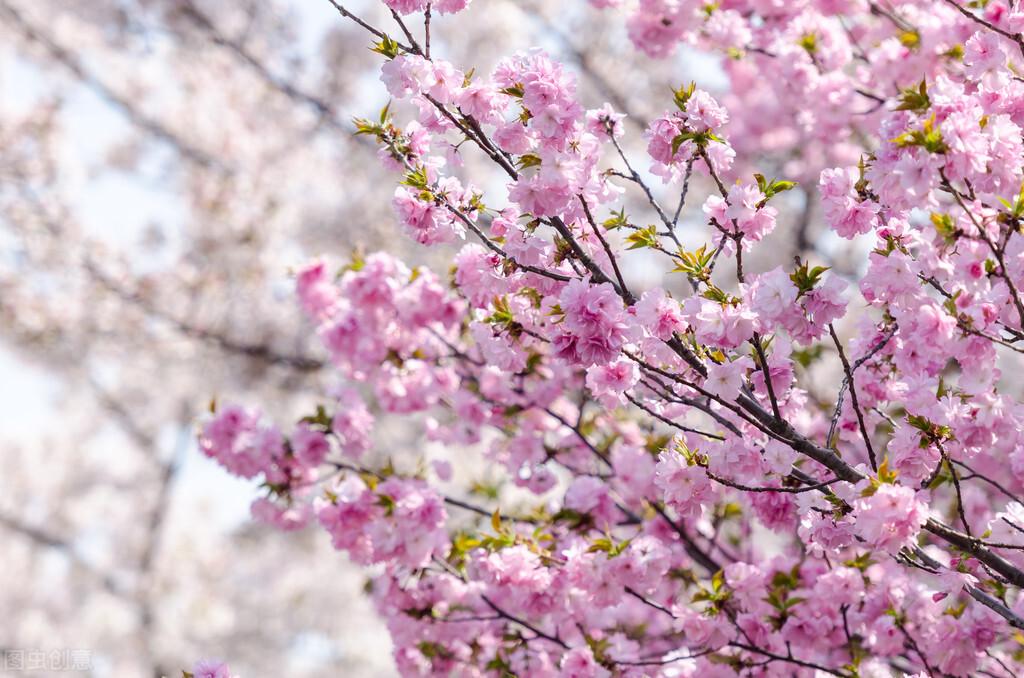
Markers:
point(890, 518)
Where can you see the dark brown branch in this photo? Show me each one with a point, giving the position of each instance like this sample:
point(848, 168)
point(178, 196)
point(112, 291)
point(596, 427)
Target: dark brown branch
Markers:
point(849, 382)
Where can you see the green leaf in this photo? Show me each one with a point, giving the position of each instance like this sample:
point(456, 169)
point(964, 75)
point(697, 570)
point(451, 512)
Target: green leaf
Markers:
point(535, 297)
point(710, 7)
point(910, 39)
point(735, 661)
point(762, 183)
point(476, 203)
point(929, 137)
point(786, 580)
point(715, 294)
point(701, 139)
point(779, 186)
point(617, 220)
point(773, 187)
point(809, 42)
point(915, 98)
point(462, 543)
point(529, 160)
point(502, 314)
point(945, 226)
point(432, 650)
point(696, 264)
point(483, 489)
point(387, 503)
point(956, 611)
point(643, 237)
point(933, 432)
point(809, 355)
point(417, 178)
point(321, 418)
point(861, 562)
point(364, 126)
point(1016, 208)
point(683, 94)
point(862, 183)
point(655, 443)
point(387, 47)
point(500, 665)
point(806, 278)
point(885, 474)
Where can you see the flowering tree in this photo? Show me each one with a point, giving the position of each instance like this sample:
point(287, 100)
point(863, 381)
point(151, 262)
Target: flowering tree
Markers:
point(230, 132)
point(735, 471)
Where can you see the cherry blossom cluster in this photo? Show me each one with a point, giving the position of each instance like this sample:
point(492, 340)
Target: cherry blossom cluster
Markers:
point(703, 477)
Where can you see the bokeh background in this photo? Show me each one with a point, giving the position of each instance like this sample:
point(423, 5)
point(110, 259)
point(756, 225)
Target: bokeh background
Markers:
point(164, 166)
